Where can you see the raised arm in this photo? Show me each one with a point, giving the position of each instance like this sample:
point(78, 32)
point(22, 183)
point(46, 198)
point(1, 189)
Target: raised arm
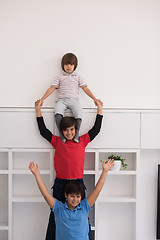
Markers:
point(47, 94)
point(93, 132)
point(46, 133)
point(93, 196)
point(47, 196)
point(90, 94)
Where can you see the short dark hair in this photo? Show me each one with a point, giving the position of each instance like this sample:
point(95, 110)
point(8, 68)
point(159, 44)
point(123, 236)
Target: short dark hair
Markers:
point(69, 58)
point(74, 187)
point(68, 122)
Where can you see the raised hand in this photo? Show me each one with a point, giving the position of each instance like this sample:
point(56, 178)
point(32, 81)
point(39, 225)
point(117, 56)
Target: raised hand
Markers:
point(39, 103)
point(97, 102)
point(108, 165)
point(34, 168)
point(99, 107)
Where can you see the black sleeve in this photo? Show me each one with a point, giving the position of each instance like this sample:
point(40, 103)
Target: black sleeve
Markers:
point(93, 132)
point(43, 130)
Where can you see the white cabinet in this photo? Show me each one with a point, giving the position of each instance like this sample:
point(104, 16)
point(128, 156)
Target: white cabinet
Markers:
point(4, 195)
point(22, 201)
point(19, 129)
point(21, 204)
point(150, 130)
point(119, 130)
point(117, 203)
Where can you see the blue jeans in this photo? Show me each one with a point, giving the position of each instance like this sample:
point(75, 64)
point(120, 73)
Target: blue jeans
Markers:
point(58, 193)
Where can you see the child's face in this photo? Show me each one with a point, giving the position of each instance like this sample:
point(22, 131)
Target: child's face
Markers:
point(73, 200)
point(69, 133)
point(69, 68)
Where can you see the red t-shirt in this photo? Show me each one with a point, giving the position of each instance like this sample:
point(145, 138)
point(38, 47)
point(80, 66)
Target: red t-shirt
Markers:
point(69, 157)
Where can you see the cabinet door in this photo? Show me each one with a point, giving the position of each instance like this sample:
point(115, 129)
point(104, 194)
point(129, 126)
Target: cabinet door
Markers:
point(150, 130)
point(119, 130)
point(19, 129)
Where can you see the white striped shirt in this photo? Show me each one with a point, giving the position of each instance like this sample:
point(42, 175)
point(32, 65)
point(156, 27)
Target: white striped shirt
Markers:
point(68, 85)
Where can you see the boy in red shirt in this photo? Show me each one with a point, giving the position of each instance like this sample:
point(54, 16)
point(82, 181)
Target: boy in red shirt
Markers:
point(69, 156)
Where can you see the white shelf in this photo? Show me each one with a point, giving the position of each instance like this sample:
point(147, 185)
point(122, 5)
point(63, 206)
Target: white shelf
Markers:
point(122, 172)
point(89, 172)
point(21, 150)
point(4, 171)
point(116, 199)
point(19, 191)
point(24, 171)
point(118, 150)
point(19, 175)
point(28, 199)
point(3, 226)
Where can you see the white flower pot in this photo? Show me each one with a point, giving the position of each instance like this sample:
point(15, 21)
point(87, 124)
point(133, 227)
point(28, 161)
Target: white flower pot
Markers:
point(117, 165)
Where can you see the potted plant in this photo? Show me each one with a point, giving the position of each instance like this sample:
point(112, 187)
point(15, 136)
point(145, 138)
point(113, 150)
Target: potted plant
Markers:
point(119, 161)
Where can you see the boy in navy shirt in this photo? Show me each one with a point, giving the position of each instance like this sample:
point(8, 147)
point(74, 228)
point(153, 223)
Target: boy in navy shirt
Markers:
point(72, 216)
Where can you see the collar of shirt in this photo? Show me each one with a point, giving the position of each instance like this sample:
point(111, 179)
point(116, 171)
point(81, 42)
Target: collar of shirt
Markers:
point(77, 208)
point(67, 74)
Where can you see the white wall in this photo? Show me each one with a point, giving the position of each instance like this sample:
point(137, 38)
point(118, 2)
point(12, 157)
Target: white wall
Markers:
point(116, 41)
